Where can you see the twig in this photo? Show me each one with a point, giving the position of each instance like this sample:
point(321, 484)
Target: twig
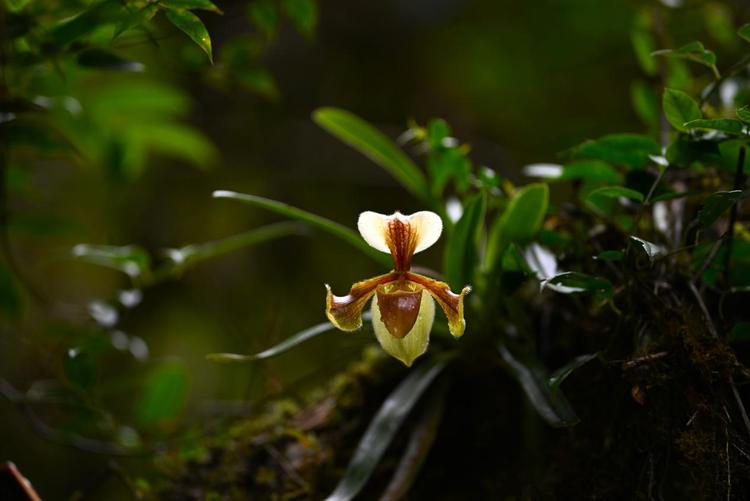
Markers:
point(645, 358)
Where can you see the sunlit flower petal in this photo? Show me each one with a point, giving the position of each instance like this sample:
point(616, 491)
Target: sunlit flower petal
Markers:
point(345, 312)
point(374, 229)
point(428, 226)
point(413, 343)
point(451, 303)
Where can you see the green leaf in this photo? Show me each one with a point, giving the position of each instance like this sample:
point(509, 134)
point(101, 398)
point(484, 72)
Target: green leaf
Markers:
point(193, 254)
point(164, 394)
point(10, 298)
point(679, 108)
point(560, 375)
point(649, 248)
point(610, 255)
point(553, 407)
point(614, 192)
point(265, 16)
point(715, 205)
point(744, 114)
point(591, 170)
point(80, 367)
point(693, 51)
point(728, 125)
point(571, 282)
point(382, 430)
point(192, 26)
point(108, 11)
point(645, 104)
point(190, 5)
point(461, 253)
point(324, 224)
point(104, 60)
point(136, 18)
point(631, 150)
point(129, 259)
point(744, 32)
point(520, 221)
point(278, 349)
point(303, 14)
point(375, 145)
point(741, 331)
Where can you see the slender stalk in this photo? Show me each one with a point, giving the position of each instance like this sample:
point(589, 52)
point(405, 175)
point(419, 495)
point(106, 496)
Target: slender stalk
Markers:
point(739, 181)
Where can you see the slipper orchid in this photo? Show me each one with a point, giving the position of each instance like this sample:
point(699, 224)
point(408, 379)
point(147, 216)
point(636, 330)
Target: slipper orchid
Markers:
point(402, 307)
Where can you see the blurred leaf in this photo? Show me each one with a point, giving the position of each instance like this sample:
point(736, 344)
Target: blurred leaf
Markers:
point(129, 259)
point(195, 253)
point(631, 150)
point(190, 4)
point(192, 26)
point(265, 16)
point(643, 43)
point(10, 298)
point(375, 145)
point(553, 407)
point(136, 18)
point(645, 104)
point(101, 13)
point(690, 153)
point(256, 79)
point(610, 255)
point(719, 23)
point(324, 224)
point(744, 32)
point(16, 5)
point(164, 394)
point(715, 205)
point(461, 253)
point(520, 221)
point(286, 345)
point(744, 113)
point(303, 14)
point(178, 141)
point(679, 108)
point(80, 367)
point(104, 60)
point(741, 331)
point(591, 170)
point(382, 430)
point(136, 101)
point(614, 192)
point(727, 125)
point(572, 281)
point(560, 375)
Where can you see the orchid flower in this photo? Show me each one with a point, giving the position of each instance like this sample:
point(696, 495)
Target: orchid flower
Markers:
point(403, 306)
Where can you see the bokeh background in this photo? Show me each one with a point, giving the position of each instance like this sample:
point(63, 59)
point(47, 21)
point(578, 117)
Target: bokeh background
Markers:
point(518, 81)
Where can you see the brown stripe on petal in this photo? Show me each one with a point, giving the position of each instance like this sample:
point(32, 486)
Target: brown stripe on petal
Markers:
point(399, 309)
point(402, 240)
point(345, 312)
point(451, 303)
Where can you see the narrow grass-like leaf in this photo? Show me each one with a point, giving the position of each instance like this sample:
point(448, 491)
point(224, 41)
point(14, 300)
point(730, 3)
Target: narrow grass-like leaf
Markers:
point(366, 139)
point(553, 407)
point(195, 253)
point(557, 377)
point(615, 192)
point(715, 205)
point(129, 259)
point(679, 108)
point(572, 281)
point(192, 26)
point(461, 251)
point(276, 350)
point(382, 430)
point(335, 229)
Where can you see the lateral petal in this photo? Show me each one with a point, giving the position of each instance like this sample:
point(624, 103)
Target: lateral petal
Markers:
point(451, 303)
point(345, 312)
point(374, 229)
